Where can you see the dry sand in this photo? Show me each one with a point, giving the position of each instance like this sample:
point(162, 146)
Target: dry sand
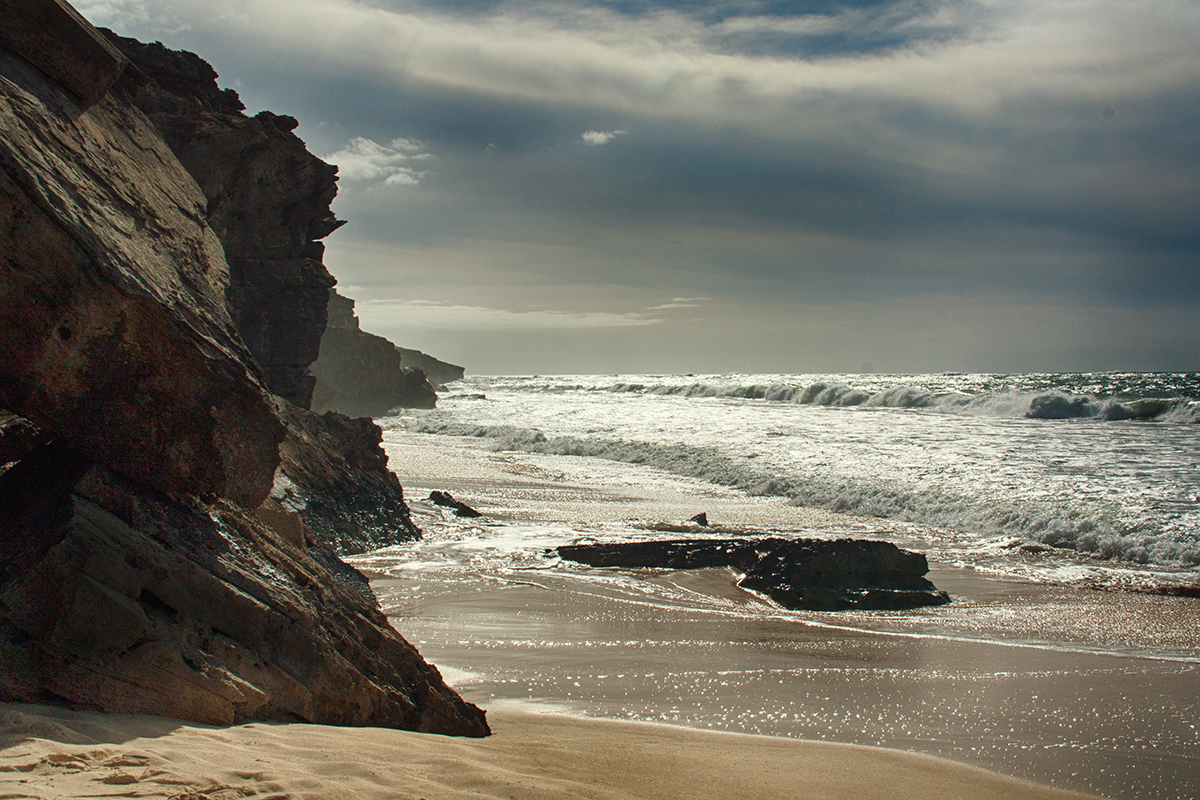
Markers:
point(52, 753)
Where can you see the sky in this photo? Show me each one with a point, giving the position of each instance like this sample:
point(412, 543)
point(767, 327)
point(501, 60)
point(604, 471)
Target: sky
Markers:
point(755, 186)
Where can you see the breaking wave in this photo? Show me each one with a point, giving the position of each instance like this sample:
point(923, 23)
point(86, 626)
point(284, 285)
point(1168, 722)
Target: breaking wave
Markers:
point(1103, 531)
point(1031, 403)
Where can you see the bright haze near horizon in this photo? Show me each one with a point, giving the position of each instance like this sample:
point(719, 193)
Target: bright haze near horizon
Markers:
point(753, 186)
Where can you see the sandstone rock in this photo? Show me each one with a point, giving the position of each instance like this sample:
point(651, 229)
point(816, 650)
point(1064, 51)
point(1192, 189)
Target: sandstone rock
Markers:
point(334, 475)
point(267, 200)
point(121, 600)
point(811, 574)
point(112, 308)
point(139, 568)
point(51, 36)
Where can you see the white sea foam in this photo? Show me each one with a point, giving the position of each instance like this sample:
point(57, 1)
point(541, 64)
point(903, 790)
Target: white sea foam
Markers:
point(1067, 461)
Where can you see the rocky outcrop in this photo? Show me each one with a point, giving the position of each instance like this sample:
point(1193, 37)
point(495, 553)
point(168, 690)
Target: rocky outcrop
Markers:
point(439, 373)
point(810, 574)
point(123, 600)
point(143, 566)
point(267, 200)
point(334, 475)
point(112, 298)
point(361, 374)
point(18, 436)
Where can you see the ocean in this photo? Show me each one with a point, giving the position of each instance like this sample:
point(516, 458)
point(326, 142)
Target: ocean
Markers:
point(1102, 469)
point(1061, 513)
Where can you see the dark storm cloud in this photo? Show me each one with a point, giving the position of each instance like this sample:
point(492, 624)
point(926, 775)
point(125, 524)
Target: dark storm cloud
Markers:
point(889, 170)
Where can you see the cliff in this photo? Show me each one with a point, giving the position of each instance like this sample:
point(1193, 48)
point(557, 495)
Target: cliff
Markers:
point(361, 374)
point(438, 372)
point(143, 565)
point(267, 201)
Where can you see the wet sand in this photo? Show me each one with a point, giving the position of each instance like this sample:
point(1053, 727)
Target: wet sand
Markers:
point(51, 753)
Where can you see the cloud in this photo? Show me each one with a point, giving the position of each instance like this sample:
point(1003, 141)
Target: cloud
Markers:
point(364, 160)
point(596, 138)
point(895, 150)
point(963, 56)
point(427, 314)
point(681, 302)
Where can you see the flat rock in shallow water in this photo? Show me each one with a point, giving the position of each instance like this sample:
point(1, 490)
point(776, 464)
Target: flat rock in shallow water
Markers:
point(810, 574)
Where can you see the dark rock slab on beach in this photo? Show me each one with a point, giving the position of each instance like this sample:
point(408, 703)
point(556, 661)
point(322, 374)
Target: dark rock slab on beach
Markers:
point(446, 500)
point(810, 574)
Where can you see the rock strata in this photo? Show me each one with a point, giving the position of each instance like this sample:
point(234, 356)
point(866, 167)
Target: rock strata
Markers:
point(267, 200)
point(334, 475)
point(143, 565)
point(810, 574)
point(124, 600)
point(112, 298)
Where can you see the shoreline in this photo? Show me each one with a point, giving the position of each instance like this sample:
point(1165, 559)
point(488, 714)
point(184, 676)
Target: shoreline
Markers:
point(1065, 685)
point(50, 752)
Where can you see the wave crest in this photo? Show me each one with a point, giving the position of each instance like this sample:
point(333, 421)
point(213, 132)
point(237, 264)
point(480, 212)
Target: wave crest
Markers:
point(1047, 405)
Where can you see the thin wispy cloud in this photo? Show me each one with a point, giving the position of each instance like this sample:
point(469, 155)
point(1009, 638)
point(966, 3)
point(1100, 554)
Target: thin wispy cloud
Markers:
point(680, 302)
point(427, 314)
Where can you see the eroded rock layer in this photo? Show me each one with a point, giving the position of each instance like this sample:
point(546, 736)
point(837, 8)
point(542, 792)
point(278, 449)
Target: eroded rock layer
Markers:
point(113, 322)
point(123, 600)
point(334, 475)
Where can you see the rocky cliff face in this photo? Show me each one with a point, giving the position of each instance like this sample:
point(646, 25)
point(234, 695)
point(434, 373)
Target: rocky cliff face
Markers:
point(438, 372)
point(125, 600)
point(267, 200)
point(113, 297)
point(142, 565)
point(334, 475)
point(361, 374)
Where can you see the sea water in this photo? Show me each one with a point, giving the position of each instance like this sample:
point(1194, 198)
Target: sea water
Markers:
point(1101, 469)
point(1065, 491)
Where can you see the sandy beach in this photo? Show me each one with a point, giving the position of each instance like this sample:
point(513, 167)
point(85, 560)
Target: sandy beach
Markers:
point(49, 753)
